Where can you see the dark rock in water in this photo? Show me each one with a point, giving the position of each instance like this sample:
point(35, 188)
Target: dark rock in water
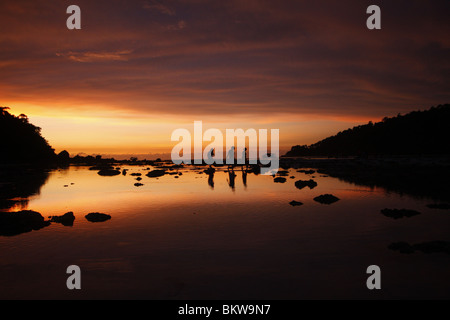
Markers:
point(14, 223)
point(306, 171)
point(326, 199)
point(295, 203)
point(138, 184)
point(292, 177)
point(279, 180)
point(156, 173)
point(283, 173)
point(425, 247)
point(108, 172)
point(136, 174)
point(176, 177)
point(443, 206)
point(399, 213)
point(180, 173)
point(300, 184)
point(97, 217)
point(138, 179)
point(124, 172)
point(402, 247)
point(66, 219)
point(104, 167)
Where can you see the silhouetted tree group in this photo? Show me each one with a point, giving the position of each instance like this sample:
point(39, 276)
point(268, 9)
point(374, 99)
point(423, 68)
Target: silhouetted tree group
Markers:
point(416, 133)
point(21, 141)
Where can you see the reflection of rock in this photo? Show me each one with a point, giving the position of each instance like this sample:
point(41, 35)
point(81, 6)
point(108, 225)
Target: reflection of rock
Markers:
point(443, 206)
point(425, 247)
point(14, 223)
point(279, 180)
point(97, 217)
point(108, 172)
point(326, 199)
point(399, 213)
point(138, 184)
point(295, 203)
point(156, 173)
point(66, 219)
point(300, 184)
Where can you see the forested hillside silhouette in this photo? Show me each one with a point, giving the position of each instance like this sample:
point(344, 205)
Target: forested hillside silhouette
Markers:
point(415, 133)
point(21, 141)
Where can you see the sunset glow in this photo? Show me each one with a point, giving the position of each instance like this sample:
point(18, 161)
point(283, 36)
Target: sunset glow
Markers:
point(138, 70)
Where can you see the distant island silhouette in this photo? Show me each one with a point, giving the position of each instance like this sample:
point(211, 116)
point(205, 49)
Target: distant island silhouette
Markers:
point(416, 133)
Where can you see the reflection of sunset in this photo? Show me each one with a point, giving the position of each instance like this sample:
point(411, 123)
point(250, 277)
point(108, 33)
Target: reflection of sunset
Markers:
point(86, 191)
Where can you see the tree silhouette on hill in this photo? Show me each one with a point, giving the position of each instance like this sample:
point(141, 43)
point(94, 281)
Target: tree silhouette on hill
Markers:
point(416, 133)
point(21, 141)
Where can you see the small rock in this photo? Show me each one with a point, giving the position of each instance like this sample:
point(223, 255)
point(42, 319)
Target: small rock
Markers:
point(283, 173)
point(326, 199)
point(295, 203)
point(66, 219)
point(300, 184)
point(279, 180)
point(97, 217)
point(138, 184)
point(306, 171)
point(108, 172)
point(156, 173)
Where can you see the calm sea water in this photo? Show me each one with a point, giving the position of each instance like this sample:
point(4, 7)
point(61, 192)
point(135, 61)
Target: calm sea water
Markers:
point(194, 238)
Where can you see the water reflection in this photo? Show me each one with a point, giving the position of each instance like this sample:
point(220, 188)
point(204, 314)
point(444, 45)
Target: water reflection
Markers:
point(231, 178)
point(17, 184)
point(266, 242)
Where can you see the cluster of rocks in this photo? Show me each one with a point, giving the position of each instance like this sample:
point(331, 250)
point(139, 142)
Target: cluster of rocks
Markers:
point(14, 223)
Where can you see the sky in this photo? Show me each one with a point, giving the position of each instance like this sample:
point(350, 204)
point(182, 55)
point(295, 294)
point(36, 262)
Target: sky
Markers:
point(137, 70)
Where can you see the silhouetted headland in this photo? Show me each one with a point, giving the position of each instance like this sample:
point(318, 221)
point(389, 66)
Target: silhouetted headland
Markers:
point(416, 133)
point(405, 154)
point(22, 141)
